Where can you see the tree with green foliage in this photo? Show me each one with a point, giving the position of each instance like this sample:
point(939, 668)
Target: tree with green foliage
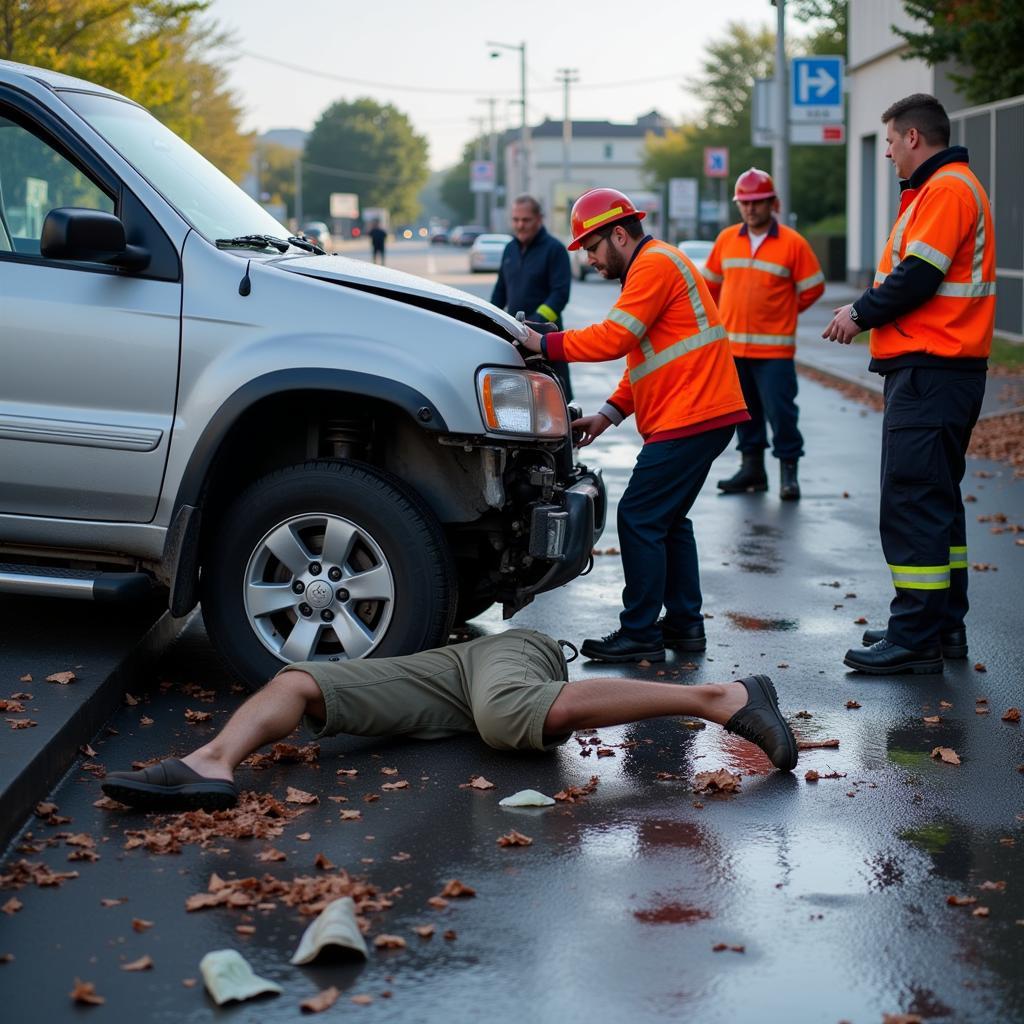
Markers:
point(725, 86)
point(157, 52)
point(985, 37)
point(367, 148)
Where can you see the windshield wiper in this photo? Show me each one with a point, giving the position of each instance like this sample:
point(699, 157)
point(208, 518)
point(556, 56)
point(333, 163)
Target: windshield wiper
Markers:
point(253, 242)
point(301, 242)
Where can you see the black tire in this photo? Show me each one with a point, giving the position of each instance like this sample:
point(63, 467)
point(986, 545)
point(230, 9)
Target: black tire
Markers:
point(394, 536)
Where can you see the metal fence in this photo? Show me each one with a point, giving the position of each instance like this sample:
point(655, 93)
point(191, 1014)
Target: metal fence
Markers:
point(994, 136)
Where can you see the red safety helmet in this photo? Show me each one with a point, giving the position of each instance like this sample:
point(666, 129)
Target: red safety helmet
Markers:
point(597, 209)
point(753, 185)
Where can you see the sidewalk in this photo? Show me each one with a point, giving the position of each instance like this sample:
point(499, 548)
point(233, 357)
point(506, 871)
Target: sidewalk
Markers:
point(849, 363)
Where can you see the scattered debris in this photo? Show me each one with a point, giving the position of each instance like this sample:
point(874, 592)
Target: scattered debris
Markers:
point(946, 754)
point(817, 744)
point(85, 992)
point(228, 976)
point(718, 781)
point(514, 838)
point(573, 794)
point(323, 1000)
point(336, 925)
point(63, 678)
point(526, 798)
point(144, 963)
point(455, 888)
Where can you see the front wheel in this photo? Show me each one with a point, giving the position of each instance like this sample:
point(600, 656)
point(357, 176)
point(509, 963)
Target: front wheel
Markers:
point(325, 561)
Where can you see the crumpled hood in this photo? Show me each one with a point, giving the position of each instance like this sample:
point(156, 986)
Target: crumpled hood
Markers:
point(403, 288)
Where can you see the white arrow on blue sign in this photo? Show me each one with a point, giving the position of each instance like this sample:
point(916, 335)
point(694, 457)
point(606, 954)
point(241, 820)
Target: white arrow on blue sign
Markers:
point(816, 92)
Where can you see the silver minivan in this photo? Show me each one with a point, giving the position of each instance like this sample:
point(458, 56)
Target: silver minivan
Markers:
point(339, 460)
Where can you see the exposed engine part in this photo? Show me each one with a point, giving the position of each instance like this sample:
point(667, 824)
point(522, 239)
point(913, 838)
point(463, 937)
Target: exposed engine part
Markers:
point(494, 468)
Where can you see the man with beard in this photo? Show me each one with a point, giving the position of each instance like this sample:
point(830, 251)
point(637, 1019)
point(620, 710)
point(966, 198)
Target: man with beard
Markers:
point(681, 384)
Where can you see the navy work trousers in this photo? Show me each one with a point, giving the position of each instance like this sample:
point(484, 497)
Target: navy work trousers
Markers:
point(659, 553)
point(769, 389)
point(926, 428)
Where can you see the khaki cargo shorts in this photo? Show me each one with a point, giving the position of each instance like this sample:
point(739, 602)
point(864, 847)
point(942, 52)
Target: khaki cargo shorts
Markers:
point(498, 686)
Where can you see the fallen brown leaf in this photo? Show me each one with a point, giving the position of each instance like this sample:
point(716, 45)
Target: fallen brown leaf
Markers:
point(945, 704)
point(961, 901)
point(85, 992)
point(12, 906)
point(350, 815)
point(437, 902)
point(946, 754)
point(350, 773)
point(193, 717)
point(1011, 715)
point(477, 782)
point(514, 838)
point(817, 744)
point(300, 796)
point(980, 912)
point(270, 854)
point(362, 1000)
point(144, 963)
point(861, 621)
point(811, 775)
point(245, 929)
point(852, 705)
point(323, 1000)
point(902, 1018)
point(932, 719)
point(389, 771)
point(451, 935)
point(22, 723)
point(62, 677)
point(400, 784)
point(999, 886)
point(721, 947)
point(718, 781)
point(323, 863)
point(455, 888)
point(979, 666)
point(140, 924)
point(573, 794)
point(389, 942)
point(424, 931)
point(108, 902)
point(145, 720)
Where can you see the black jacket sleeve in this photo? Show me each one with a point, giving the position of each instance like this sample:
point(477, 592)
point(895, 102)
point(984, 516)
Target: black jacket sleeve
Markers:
point(559, 279)
point(910, 285)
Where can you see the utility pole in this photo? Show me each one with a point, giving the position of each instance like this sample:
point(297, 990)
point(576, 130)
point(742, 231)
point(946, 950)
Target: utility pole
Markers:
point(524, 129)
point(492, 155)
point(566, 76)
point(478, 197)
point(780, 147)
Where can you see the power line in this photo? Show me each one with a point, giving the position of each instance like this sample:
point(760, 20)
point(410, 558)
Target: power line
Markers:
point(394, 86)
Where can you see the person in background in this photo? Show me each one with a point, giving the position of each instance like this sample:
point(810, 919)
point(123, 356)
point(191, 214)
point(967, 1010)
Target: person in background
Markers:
point(762, 274)
point(931, 313)
point(378, 239)
point(535, 275)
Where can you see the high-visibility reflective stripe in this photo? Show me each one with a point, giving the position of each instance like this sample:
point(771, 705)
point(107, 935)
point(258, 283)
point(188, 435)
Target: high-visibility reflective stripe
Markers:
point(967, 291)
point(548, 313)
point(920, 577)
point(635, 327)
point(897, 234)
point(929, 254)
point(710, 275)
point(746, 263)
point(602, 217)
point(958, 558)
point(957, 290)
point(810, 282)
point(979, 230)
point(656, 360)
point(692, 291)
point(763, 339)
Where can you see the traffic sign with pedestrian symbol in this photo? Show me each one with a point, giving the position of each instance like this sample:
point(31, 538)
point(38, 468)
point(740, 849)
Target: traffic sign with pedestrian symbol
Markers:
point(817, 89)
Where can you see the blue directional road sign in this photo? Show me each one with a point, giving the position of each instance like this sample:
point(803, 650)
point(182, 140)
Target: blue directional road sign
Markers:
point(816, 92)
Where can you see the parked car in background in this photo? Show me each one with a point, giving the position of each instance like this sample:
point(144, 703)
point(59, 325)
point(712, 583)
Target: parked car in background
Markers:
point(486, 251)
point(697, 249)
point(316, 231)
point(439, 236)
point(467, 234)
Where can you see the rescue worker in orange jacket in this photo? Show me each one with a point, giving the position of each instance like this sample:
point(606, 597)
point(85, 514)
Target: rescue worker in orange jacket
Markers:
point(762, 274)
point(931, 313)
point(681, 384)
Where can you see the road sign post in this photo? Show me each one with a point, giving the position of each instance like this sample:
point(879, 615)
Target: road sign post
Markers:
point(816, 94)
point(716, 162)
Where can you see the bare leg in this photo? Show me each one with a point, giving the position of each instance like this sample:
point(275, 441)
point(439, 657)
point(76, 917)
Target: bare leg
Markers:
point(592, 703)
point(268, 715)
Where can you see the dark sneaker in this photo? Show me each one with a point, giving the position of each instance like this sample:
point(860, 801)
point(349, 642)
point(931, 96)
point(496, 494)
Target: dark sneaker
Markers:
point(170, 786)
point(617, 647)
point(685, 638)
point(886, 659)
point(953, 642)
point(761, 722)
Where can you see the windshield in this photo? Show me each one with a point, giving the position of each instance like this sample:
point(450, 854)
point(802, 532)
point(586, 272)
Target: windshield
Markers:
point(210, 201)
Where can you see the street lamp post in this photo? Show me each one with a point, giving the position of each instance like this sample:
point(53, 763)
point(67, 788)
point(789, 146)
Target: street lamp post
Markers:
point(780, 146)
point(524, 132)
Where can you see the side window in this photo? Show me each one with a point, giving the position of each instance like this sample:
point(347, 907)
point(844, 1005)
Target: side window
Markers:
point(34, 179)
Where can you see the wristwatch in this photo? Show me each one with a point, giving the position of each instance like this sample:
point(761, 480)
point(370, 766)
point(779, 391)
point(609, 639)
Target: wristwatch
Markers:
point(854, 315)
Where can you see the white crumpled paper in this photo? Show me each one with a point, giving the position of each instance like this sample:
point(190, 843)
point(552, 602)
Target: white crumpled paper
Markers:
point(335, 925)
point(228, 975)
point(526, 798)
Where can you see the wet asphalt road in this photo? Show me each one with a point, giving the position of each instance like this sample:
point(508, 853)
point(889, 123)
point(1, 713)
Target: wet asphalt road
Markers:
point(836, 890)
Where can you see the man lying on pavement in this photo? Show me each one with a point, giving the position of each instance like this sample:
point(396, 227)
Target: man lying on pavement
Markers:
point(512, 689)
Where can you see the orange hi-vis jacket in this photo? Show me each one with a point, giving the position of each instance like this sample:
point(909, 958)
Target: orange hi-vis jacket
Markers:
point(946, 222)
point(759, 295)
point(680, 378)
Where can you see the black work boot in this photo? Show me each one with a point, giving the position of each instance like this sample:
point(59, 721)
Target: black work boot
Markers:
point(751, 476)
point(789, 487)
point(886, 658)
point(953, 642)
point(685, 638)
point(617, 648)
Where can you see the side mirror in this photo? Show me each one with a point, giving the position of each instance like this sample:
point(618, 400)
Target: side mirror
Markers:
point(93, 236)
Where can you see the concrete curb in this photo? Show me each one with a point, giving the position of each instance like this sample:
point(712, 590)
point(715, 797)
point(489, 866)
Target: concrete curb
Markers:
point(44, 768)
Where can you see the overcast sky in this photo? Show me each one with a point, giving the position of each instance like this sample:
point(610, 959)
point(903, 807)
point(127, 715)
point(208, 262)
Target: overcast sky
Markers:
point(432, 60)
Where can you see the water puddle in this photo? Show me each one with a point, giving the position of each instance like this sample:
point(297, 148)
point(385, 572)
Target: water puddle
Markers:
point(759, 624)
